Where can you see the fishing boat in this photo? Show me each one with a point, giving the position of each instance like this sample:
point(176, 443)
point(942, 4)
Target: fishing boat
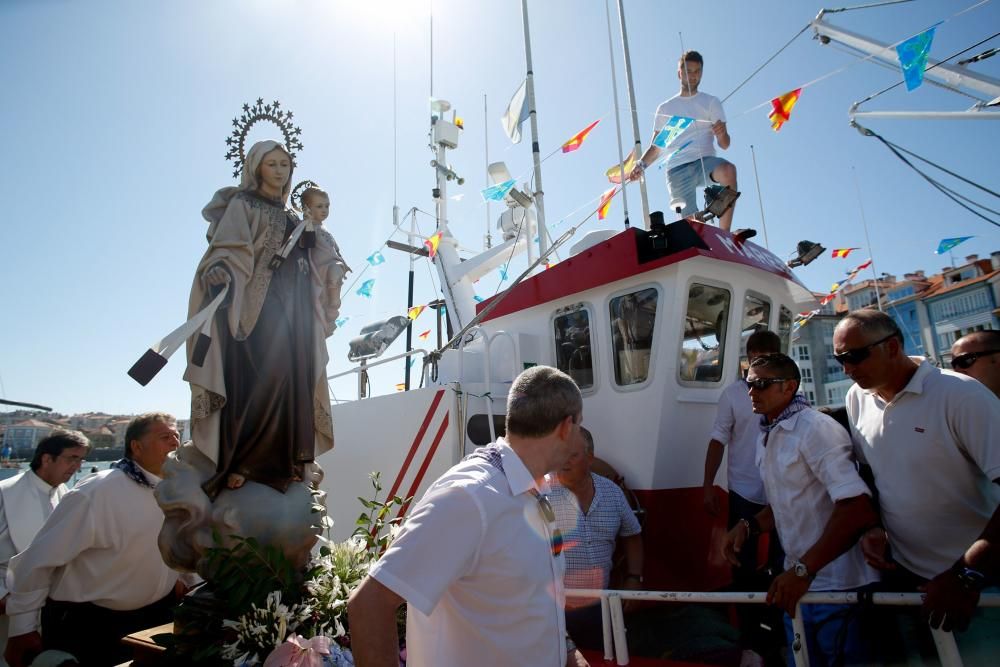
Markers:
point(650, 321)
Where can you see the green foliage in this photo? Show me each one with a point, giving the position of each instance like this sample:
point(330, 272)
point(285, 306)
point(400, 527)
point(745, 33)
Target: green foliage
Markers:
point(374, 526)
point(243, 574)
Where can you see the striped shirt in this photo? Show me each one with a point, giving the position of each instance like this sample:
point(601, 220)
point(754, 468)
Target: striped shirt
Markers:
point(589, 537)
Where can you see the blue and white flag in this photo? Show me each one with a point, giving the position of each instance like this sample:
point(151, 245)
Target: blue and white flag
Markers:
point(497, 192)
point(517, 112)
point(366, 288)
point(671, 130)
point(912, 56)
point(376, 258)
point(947, 244)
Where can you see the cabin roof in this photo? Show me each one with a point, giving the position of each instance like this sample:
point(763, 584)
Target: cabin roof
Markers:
point(623, 256)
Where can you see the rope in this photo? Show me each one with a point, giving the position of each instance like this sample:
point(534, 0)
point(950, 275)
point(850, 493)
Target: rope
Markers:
point(768, 61)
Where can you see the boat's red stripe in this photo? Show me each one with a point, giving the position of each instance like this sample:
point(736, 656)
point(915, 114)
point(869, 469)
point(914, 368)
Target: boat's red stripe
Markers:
point(423, 467)
point(416, 443)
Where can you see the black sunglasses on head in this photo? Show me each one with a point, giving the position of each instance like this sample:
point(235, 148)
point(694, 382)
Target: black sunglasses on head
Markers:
point(760, 384)
point(963, 361)
point(857, 355)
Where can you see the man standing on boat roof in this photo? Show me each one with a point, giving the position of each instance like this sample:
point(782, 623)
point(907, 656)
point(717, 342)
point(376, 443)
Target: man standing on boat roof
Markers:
point(978, 355)
point(932, 439)
point(94, 570)
point(734, 435)
point(695, 162)
point(479, 560)
point(819, 505)
point(28, 499)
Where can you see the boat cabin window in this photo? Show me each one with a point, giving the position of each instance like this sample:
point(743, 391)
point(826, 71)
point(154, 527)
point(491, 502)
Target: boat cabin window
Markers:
point(704, 343)
point(756, 315)
point(785, 328)
point(573, 345)
point(632, 318)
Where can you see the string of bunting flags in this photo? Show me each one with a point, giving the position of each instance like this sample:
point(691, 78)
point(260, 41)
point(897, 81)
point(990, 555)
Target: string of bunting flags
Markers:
point(835, 289)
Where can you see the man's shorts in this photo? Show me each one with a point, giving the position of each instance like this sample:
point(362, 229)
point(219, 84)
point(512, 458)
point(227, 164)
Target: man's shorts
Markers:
point(683, 181)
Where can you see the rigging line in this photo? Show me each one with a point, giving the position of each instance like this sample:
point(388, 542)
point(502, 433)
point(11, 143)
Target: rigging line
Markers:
point(513, 248)
point(950, 173)
point(928, 69)
point(869, 57)
point(768, 61)
point(395, 228)
point(930, 180)
point(988, 53)
point(964, 198)
point(870, 6)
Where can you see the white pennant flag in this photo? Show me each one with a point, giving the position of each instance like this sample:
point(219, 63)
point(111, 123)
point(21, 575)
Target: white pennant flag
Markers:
point(517, 112)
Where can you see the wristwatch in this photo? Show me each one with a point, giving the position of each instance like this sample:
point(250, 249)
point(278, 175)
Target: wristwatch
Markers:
point(971, 580)
point(800, 570)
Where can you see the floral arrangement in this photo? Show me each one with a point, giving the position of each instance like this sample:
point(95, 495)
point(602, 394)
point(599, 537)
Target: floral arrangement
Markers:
point(274, 616)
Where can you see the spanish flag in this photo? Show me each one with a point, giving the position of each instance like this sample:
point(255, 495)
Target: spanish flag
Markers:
point(432, 244)
point(781, 108)
point(842, 252)
point(614, 173)
point(414, 313)
point(424, 335)
point(605, 205)
point(578, 138)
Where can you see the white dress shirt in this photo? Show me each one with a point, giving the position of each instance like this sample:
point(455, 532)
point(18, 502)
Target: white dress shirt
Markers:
point(99, 546)
point(807, 467)
point(737, 427)
point(26, 501)
point(475, 565)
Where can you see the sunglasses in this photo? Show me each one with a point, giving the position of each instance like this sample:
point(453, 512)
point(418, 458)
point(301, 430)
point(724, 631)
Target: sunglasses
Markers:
point(550, 516)
point(963, 361)
point(760, 384)
point(857, 355)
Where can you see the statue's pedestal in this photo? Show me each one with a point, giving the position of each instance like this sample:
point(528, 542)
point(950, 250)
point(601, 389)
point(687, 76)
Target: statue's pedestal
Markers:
point(146, 652)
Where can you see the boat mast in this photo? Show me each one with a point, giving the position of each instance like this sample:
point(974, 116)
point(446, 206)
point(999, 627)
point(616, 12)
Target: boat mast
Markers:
point(618, 123)
point(635, 112)
point(539, 194)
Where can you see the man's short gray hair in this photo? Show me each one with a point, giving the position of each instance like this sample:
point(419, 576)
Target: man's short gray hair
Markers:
point(874, 323)
point(539, 399)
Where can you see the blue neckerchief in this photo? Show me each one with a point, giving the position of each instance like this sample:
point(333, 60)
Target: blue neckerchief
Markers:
point(798, 404)
point(131, 469)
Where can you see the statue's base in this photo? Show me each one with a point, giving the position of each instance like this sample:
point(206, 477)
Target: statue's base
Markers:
point(146, 652)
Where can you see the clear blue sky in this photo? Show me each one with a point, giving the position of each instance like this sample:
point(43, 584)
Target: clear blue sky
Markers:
point(115, 113)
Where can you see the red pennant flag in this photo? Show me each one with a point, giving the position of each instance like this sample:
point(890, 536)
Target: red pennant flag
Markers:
point(578, 138)
point(424, 335)
point(605, 205)
point(863, 266)
point(781, 108)
point(826, 299)
point(842, 252)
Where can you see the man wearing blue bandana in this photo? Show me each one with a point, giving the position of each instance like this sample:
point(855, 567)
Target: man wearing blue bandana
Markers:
point(818, 504)
point(94, 571)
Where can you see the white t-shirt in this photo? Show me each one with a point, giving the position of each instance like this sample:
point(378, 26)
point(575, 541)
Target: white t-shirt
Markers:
point(474, 563)
point(702, 107)
point(807, 467)
point(99, 546)
point(934, 451)
point(738, 428)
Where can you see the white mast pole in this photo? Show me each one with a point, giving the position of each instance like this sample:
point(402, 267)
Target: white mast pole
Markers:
point(635, 112)
point(618, 123)
point(864, 223)
point(543, 234)
point(486, 146)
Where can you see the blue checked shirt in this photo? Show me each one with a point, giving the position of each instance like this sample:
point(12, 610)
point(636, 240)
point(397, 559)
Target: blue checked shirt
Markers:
point(589, 538)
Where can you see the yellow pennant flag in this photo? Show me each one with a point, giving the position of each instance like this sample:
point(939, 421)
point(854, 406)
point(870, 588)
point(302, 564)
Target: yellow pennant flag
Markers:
point(414, 313)
point(614, 173)
point(781, 108)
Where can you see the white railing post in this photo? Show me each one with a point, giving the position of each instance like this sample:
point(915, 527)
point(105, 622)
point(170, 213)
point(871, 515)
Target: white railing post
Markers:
point(800, 645)
point(947, 648)
point(609, 648)
point(618, 629)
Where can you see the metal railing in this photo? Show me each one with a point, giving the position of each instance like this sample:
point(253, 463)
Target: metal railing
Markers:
point(613, 619)
point(363, 368)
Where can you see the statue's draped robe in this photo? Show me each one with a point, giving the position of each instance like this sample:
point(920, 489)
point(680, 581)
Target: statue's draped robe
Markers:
point(260, 404)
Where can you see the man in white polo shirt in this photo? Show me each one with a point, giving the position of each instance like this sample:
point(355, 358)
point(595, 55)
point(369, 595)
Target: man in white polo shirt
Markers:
point(479, 561)
point(932, 439)
point(818, 504)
